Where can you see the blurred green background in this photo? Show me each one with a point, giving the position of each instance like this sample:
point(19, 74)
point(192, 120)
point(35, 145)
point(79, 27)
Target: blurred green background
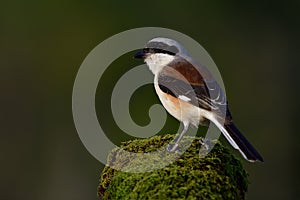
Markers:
point(43, 43)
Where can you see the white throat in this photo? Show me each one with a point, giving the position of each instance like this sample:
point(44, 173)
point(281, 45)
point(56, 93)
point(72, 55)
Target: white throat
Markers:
point(158, 61)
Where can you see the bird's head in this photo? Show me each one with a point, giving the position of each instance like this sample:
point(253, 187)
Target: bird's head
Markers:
point(158, 52)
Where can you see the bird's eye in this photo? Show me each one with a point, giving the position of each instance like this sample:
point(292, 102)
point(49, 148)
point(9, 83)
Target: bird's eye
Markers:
point(146, 50)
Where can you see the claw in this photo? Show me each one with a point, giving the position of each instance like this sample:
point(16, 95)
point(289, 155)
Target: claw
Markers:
point(172, 147)
point(205, 142)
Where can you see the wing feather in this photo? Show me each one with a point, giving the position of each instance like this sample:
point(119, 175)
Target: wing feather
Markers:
point(181, 78)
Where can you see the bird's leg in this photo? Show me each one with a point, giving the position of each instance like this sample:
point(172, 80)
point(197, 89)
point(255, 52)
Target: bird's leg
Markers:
point(173, 147)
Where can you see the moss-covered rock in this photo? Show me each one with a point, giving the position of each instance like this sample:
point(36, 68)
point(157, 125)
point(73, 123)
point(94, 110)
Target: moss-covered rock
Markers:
point(217, 176)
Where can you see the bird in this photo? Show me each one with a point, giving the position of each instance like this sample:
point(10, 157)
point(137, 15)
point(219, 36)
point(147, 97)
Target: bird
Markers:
point(190, 93)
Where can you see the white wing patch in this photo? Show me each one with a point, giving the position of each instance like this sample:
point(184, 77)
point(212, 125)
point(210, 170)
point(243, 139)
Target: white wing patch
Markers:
point(184, 98)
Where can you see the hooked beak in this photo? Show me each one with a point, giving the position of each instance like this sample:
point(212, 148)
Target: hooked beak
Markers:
point(141, 54)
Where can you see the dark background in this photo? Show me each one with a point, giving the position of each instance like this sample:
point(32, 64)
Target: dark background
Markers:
point(43, 43)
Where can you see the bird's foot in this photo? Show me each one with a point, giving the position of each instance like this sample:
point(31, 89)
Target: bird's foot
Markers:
point(206, 146)
point(205, 142)
point(172, 147)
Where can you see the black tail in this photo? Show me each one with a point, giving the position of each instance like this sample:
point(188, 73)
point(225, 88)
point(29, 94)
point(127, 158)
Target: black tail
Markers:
point(246, 149)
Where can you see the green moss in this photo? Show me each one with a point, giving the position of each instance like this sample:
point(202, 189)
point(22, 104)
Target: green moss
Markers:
point(217, 176)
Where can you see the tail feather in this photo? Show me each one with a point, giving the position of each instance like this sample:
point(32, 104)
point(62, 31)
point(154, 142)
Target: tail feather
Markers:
point(244, 146)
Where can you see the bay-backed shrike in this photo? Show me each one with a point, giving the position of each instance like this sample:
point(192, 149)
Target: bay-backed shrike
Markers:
point(189, 92)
